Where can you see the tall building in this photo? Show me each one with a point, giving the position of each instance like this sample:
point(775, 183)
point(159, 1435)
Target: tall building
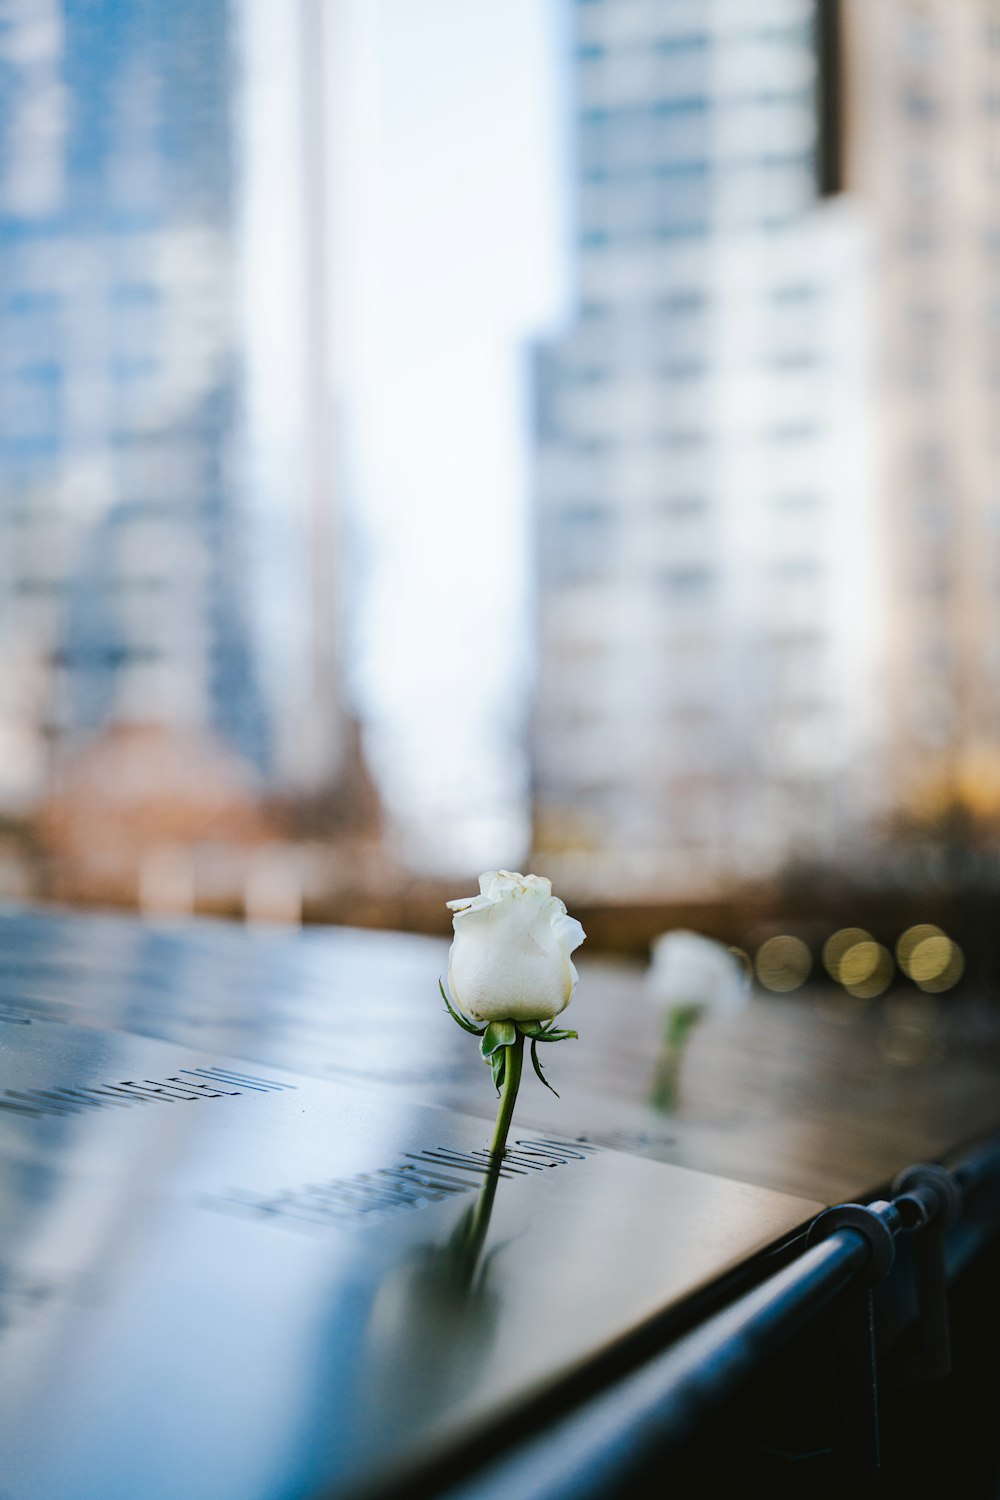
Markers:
point(707, 559)
point(121, 547)
point(922, 157)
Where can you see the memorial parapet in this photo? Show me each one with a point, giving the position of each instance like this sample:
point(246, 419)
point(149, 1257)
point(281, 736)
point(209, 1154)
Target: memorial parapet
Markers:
point(237, 1172)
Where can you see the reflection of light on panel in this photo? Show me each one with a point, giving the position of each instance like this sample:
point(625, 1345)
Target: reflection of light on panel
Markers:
point(910, 1036)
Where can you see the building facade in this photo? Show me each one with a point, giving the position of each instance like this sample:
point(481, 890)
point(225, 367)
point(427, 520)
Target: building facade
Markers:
point(922, 158)
point(122, 595)
point(707, 556)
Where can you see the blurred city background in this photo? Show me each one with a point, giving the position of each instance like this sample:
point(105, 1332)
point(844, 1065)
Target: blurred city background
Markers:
point(562, 435)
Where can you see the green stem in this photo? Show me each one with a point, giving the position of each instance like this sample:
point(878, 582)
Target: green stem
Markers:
point(680, 1022)
point(508, 1094)
point(474, 1231)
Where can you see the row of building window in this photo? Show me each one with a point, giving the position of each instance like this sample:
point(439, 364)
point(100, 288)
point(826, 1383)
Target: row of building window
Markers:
point(591, 566)
point(691, 302)
point(757, 220)
point(698, 168)
point(612, 116)
point(795, 359)
point(46, 301)
point(793, 34)
point(590, 516)
point(684, 439)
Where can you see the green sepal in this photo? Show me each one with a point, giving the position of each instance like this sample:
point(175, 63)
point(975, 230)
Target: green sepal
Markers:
point(532, 1028)
point(543, 1031)
point(538, 1070)
point(498, 1063)
point(465, 1025)
point(498, 1034)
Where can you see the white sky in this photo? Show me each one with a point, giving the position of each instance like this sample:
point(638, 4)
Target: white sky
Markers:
point(449, 256)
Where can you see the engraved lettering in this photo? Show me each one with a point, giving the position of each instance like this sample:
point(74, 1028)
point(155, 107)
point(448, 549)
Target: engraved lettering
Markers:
point(578, 1151)
point(435, 1182)
point(87, 1097)
point(19, 1109)
point(398, 1189)
point(526, 1159)
point(123, 1094)
point(67, 1097)
point(176, 1090)
point(244, 1080)
point(142, 1092)
point(443, 1156)
point(64, 1105)
point(114, 1093)
point(204, 1091)
point(357, 1191)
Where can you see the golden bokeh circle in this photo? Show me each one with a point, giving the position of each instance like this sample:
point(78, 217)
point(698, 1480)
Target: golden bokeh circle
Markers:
point(911, 939)
point(839, 943)
point(783, 963)
point(930, 958)
point(867, 970)
point(948, 977)
point(859, 963)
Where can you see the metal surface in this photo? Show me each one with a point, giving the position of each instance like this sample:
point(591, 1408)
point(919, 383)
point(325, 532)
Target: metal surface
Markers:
point(813, 1094)
point(600, 1449)
point(615, 1440)
point(229, 1281)
point(244, 1254)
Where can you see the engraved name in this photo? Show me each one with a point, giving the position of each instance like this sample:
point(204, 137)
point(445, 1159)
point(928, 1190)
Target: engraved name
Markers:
point(185, 1086)
point(422, 1178)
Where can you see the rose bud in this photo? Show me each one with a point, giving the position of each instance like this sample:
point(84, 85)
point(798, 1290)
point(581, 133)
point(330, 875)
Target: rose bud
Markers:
point(510, 958)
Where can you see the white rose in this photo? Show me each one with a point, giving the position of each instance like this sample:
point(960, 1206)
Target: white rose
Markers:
point(690, 970)
point(510, 958)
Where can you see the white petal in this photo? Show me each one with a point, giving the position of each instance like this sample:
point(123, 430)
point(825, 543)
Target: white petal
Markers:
point(688, 969)
point(470, 903)
point(510, 956)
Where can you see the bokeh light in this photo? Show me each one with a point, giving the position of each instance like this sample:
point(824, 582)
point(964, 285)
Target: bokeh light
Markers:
point(911, 939)
point(866, 969)
point(783, 963)
point(838, 944)
point(930, 958)
point(939, 968)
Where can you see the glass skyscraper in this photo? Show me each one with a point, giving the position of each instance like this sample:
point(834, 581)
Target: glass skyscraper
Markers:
point(706, 547)
point(121, 539)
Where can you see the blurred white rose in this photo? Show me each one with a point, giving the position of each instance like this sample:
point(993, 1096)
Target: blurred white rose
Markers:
point(693, 971)
point(689, 976)
point(510, 958)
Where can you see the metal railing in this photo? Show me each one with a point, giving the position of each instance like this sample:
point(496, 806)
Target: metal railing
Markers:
point(616, 1436)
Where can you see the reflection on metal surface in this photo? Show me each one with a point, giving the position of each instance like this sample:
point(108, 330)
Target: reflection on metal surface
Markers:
point(434, 1320)
point(244, 1257)
point(795, 1093)
point(678, 1025)
point(180, 1322)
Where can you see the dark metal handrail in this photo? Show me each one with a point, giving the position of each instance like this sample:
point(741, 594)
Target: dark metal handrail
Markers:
point(595, 1450)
